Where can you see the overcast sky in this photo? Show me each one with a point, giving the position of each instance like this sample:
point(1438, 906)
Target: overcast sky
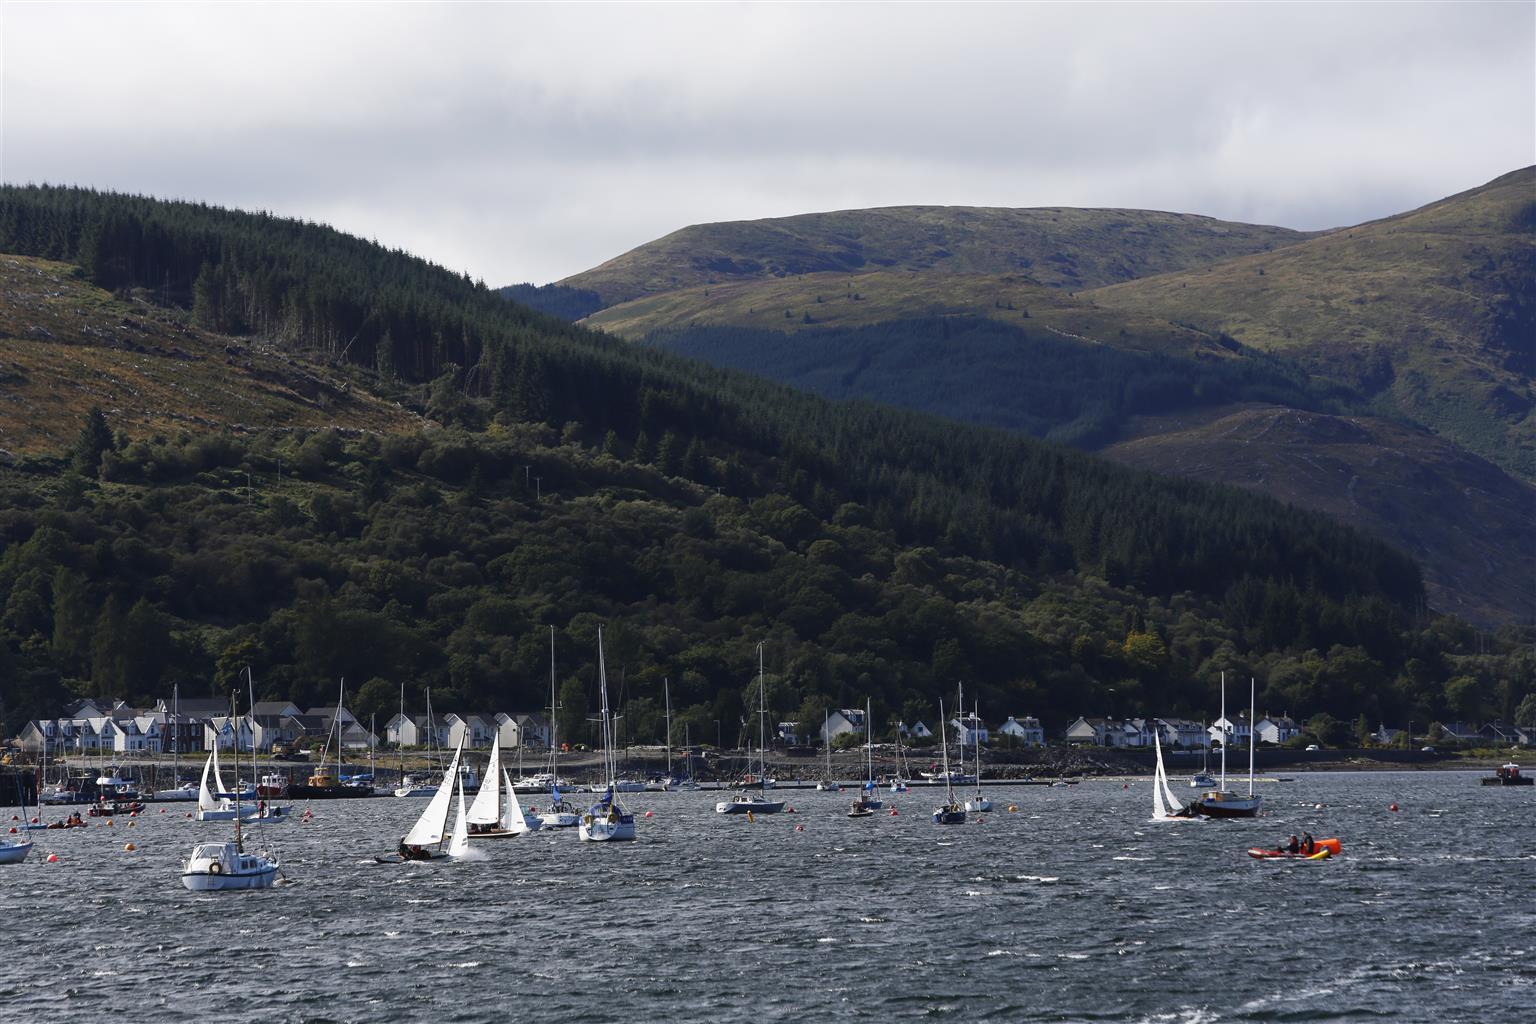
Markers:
point(528, 142)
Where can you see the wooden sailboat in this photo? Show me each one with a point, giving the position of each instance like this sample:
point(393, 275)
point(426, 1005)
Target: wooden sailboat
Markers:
point(324, 783)
point(950, 812)
point(1223, 803)
point(756, 803)
point(605, 821)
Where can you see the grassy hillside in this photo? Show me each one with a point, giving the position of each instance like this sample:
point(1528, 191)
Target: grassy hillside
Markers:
point(1466, 521)
point(1062, 248)
point(1431, 313)
point(792, 304)
point(67, 345)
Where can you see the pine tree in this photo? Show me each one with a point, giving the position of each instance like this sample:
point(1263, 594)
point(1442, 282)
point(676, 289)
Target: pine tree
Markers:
point(94, 440)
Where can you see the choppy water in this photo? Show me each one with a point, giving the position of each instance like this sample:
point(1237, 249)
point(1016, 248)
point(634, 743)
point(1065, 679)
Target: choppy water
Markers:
point(1074, 907)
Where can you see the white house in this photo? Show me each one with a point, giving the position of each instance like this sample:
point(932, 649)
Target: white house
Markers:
point(919, 730)
point(841, 723)
point(788, 733)
point(1383, 737)
point(1277, 730)
point(969, 730)
point(1237, 729)
point(137, 735)
point(1181, 732)
point(475, 730)
point(1025, 731)
point(224, 730)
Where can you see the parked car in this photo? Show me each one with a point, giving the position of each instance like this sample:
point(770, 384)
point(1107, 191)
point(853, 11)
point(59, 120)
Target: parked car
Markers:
point(1428, 750)
point(1313, 746)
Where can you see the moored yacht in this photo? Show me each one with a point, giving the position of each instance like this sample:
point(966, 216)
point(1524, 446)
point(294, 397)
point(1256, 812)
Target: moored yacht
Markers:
point(606, 821)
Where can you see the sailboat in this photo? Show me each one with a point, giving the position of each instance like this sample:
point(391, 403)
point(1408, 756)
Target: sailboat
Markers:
point(605, 821)
point(14, 851)
point(755, 803)
point(950, 812)
point(215, 867)
point(425, 839)
point(323, 783)
point(489, 816)
point(899, 780)
point(1163, 800)
point(418, 785)
point(867, 800)
point(977, 803)
point(1203, 779)
point(560, 814)
point(828, 784)
point(1223, 803)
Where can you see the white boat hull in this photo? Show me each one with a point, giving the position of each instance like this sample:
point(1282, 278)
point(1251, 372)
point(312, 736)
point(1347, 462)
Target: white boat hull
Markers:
point(560, 819)
point(204, 882)
point(978, 805)
point(14, 853)
point(603, 830)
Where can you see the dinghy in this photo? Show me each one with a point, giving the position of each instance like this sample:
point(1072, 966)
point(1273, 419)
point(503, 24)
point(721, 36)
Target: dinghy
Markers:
point(1163, 800)
point(425, 839)
point(491, 817)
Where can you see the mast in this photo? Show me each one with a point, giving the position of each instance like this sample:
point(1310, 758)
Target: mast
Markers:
point(250, 679)
point(1226, 733)
point(976, 718)
point(341, 697)
point(949, 785)
point(667, 691)
point(762, 719)
point(400, 747)
point(233, 707)
point(1252, 706)
point(869, 748)
point(606, 720)
point(826, 738)
point(554, 747)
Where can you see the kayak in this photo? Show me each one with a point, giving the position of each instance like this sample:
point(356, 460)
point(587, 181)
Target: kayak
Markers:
point(1322, 850)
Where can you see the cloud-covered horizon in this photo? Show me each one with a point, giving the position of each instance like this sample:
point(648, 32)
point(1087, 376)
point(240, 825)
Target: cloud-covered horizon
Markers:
point(530, 142)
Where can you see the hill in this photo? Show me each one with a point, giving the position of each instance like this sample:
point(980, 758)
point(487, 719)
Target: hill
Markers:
point(1466, 521)
point(1430, 314)
point(67, 345)
point(568, 480)
point(1058, 247)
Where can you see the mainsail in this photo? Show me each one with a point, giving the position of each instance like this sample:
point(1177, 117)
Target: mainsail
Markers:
point(458, 846)
point(428, 830)
point(486, 808)
point(205, 798)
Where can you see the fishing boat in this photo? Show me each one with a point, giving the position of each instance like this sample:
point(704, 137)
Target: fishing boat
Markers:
point(426, 837)
point(1508, 775)
point(1164, 805)
point(496, 813)
point(950, 812)
point(1222, 802)
point(745, 802)
point(325, 783)
point(606, 821)
point(977, 804)
point(217, 867)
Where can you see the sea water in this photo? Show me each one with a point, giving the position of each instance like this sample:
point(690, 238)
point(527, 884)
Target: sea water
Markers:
point(1072, 905)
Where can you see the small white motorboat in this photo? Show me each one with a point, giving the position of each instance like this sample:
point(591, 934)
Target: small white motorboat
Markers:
point(220, 866)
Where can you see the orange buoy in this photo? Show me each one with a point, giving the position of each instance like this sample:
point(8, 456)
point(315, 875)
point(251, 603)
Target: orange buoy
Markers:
point(109, 822)
point(893, 812)
point(650, 814)
point(1013, 808)
point(129, 847)
point(53, 858)
point(799, 828)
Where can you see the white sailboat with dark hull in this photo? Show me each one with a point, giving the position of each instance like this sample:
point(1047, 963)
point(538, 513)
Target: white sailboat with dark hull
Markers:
point(746, 802)
point(426, 838)
point(1166, 806)
point(496, 813)
point(1223, 803)
point(605, 821)
point(867, 801)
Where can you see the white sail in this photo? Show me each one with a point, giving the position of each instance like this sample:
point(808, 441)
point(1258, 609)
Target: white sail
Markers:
point(1173, 801)
point(1159, 781)
point(428, 830)
point(514, 819)
point(205, 798)
point(458, 846)
point(486, 808)
point(218, 776)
